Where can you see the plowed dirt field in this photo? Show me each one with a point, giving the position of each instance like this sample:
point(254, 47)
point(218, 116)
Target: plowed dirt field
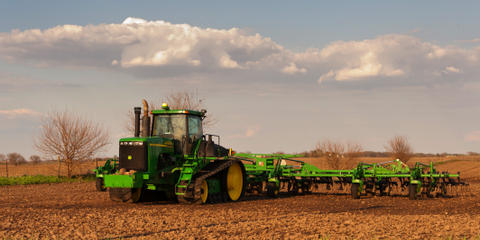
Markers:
point(77, 211)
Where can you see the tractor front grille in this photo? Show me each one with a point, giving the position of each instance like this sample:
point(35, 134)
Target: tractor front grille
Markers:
point(133, 157)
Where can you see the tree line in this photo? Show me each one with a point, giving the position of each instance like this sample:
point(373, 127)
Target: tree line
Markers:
point(17, 159)
point(345, 155)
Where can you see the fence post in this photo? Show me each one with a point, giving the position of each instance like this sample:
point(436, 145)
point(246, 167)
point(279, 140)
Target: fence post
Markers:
point(58, 172)
point(6, 166)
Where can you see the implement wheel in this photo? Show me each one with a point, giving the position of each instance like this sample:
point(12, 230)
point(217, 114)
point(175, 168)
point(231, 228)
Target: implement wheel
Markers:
point(412, 191)
point(100, 185)
point(272, 189)
point(132, 195)
point(355, 190)
point(234, 180)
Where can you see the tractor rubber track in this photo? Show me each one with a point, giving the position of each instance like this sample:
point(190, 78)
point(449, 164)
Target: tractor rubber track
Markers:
point(193, 192)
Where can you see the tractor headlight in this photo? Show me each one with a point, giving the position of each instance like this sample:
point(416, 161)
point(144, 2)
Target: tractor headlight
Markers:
point(136, 143)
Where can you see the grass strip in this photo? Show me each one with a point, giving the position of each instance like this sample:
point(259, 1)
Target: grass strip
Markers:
point(41, 179)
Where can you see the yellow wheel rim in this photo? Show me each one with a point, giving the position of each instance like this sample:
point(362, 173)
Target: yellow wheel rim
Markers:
point(235, 181)
point(204, 194)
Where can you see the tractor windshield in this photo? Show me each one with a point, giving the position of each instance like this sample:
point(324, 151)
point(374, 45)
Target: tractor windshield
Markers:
point(173, 125)
point(169, 126)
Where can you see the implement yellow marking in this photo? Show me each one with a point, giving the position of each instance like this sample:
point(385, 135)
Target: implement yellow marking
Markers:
point(160, 145)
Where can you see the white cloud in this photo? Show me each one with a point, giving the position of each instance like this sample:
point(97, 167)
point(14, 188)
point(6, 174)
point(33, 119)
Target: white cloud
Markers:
point(473, 136)
point(391, 56)
point(20, 112)
point(292, 69)
point(452, 69)
point(252, 131)
point(137, 44)
point(249, 132)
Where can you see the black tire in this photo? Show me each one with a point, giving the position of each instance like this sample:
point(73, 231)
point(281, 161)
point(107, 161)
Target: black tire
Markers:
point(412, 191)
point(307, 188)
point(443, 190)
point(272, 190)
point(355, 190)
point(131, 195)
point(100, 185)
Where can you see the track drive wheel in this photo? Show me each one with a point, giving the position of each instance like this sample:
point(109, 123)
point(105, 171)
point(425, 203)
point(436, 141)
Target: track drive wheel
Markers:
point(235, 181)
point(204, 192)
point(412, 191)
point(100, 185)
point(355, 190)
point(131, 195)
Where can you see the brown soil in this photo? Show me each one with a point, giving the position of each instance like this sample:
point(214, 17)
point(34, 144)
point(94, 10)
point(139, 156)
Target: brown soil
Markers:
point(77, 211)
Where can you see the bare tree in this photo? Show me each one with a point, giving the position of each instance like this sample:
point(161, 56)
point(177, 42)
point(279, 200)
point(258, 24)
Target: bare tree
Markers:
point(177, 100)
point(35, 159)
point(399, 148)
point(338, 154)
point(3, 158)
point(332, 151)
point(15, 159)
point(353, 152)
point(71, 138)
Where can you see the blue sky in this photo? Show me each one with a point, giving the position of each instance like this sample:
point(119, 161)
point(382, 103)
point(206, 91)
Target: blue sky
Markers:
point(277, 75)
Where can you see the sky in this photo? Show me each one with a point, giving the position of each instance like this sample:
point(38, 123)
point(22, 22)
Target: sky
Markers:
point(275, 75)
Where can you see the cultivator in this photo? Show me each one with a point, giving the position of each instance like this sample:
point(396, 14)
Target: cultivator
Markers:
point(173, 156)
point(283, 173)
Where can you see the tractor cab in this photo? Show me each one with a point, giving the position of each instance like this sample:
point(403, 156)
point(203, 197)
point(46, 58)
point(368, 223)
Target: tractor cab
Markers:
point(183, 126)
point(177, 123)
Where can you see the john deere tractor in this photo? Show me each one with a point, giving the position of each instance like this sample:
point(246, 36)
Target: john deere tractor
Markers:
point(171, 154)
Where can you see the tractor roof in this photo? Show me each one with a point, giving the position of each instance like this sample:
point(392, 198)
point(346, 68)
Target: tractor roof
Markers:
point(177, 111)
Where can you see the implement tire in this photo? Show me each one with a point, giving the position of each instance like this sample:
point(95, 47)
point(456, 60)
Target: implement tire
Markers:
point(100, 185)
point(412, 191)
point(355, 190)
point(272, 190)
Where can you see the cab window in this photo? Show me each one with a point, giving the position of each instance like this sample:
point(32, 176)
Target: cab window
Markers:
point(195, 126)
point(169, 125)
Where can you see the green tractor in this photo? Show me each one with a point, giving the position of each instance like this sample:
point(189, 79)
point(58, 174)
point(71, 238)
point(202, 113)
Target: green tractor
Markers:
point(170, 154)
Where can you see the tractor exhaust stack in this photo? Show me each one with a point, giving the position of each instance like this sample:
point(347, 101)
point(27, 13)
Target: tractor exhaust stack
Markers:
point(145, 120)
point(137, 111)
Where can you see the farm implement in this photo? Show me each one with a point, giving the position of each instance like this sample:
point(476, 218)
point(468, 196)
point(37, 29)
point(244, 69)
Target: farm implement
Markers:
point(171, 155)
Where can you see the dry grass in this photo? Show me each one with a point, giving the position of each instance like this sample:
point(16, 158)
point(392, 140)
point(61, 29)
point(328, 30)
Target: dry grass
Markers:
point(47, 169)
